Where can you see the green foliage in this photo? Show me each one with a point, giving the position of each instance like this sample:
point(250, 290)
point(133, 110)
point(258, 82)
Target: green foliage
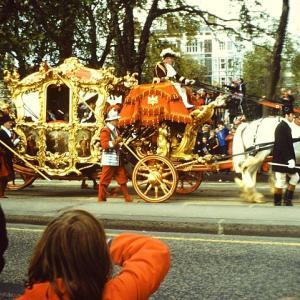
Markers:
point(191, 68)
point(295, 68)
point(257, 66)
point(108, 32)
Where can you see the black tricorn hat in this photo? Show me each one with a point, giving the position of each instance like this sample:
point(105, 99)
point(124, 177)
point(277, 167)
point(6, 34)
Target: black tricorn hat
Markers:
point(5, 118)
point(287, 109)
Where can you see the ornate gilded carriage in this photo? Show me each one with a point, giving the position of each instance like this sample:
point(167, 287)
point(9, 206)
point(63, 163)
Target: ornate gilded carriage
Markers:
point(59, 115)
point(60, 112)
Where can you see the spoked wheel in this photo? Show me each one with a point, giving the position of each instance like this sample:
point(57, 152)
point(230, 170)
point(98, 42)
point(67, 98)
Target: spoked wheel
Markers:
point(188, 182)
point(25, 177)
point(154, 179)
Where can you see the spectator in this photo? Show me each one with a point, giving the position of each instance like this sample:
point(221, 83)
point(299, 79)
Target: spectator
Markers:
point(229, 140)
point(242, 92)
point(9, 139)
point(204, 147)
point(286, 97)
point(221, 135)
point(197, 147)
point(4, 171)
point(72, 260)
point(209, 98)
point(200, 98)
point(213, 143)
point(3, 238)
point(234, 105)
point(205, 130)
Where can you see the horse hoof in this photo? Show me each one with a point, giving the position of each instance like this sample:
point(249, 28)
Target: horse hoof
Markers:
point(260, 200)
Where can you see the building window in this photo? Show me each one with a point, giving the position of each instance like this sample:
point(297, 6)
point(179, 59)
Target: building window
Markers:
point(230, 63)
point(229, 45)
point(192, 47)
point(208, 63)
point(207, 46)
point(188, 47)
point(222, 45)
point(200, 47)
point(222, 63)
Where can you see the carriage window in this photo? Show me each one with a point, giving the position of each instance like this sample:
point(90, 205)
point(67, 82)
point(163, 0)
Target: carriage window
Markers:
point(28, 106)
point(86, 107)
point(57, 108)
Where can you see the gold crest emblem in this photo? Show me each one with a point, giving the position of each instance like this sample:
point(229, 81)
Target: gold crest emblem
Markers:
point(152, 100)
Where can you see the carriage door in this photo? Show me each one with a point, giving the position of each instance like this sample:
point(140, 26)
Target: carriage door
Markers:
point(58, 147)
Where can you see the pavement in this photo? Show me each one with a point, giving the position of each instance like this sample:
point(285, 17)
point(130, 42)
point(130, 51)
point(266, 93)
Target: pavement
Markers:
point(215, 208)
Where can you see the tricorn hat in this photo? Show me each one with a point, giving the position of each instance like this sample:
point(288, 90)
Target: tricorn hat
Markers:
point(287, 109)
point(168, 52)
point(5, 118)
point(112, 115)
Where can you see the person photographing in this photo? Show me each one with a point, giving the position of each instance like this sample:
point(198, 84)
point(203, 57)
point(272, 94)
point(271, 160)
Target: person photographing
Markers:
point(74, 261)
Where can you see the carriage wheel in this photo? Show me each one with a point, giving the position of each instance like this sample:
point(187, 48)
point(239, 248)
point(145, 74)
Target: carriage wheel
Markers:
point(26, 177)
point(154, 179)
point(188, 182)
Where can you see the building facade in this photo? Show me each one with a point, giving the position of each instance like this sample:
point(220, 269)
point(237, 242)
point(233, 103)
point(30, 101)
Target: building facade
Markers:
point(221, 54)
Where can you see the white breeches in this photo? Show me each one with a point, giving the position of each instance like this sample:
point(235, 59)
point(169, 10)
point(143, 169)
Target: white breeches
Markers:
point(182, 93)
point(280, 179)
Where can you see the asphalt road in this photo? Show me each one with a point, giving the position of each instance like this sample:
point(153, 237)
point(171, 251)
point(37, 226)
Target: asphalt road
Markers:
point(215, 188)
point(203, 266)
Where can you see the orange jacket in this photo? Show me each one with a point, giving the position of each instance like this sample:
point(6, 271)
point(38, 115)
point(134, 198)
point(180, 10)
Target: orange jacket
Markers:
point(145, 262)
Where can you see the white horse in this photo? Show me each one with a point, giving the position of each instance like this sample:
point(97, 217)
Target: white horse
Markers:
point(252, 143)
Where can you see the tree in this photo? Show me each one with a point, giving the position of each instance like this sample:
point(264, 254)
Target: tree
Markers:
point(257, 64)
point(295, 68)
point(106, 32)
point(22, 41)
point(129, 56)
point(277, 49)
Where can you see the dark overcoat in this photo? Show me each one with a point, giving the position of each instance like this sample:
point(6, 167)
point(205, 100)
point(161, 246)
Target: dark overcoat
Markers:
point(8, 154)
point(3, 238)
point(283, 148)
point(160, 71)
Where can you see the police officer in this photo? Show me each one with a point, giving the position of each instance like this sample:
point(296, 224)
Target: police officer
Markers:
point(284, 153)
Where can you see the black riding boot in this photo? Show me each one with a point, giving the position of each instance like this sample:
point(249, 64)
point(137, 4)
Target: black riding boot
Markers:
point(288, 197)
point(277, 199)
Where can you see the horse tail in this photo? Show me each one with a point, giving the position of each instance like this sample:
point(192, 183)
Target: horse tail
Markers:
point(238, 147)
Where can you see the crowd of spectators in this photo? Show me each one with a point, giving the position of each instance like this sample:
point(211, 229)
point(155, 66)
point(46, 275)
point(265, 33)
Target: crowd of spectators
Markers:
point(215, 138)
